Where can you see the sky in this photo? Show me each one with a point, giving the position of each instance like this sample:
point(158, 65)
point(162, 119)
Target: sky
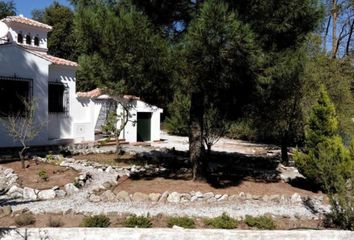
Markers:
point(25, 7)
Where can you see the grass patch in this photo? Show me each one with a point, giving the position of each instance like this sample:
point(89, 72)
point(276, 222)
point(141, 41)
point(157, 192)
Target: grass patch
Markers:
point(133, 221)
point(184, 222)
point(224, 222)
point(25, 219)
point(99, 221)
point(261, 222)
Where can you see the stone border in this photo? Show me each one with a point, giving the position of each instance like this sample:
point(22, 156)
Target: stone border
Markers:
point(209, 197)
point(26, 193)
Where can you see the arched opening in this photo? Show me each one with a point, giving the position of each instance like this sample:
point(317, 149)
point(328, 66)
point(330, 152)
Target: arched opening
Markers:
point(28, 39)
point(20, 38)
point(36, 41)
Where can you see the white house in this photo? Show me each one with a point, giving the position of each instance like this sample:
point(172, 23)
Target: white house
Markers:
point(27, 70)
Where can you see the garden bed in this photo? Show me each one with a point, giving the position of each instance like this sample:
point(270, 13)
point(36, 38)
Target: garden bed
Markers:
point(30, 177)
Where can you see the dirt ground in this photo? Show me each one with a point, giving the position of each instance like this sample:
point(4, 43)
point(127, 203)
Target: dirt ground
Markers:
point(28, 177)
point(71, 220)
point(109, 159)
point(160, 185)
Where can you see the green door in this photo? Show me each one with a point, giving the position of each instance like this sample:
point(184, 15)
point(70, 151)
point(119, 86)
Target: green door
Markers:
point(144, 127)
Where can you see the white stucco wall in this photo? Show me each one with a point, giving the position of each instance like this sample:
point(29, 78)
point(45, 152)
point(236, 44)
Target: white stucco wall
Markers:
point(60, 124)
point(16, 28)
point(16, 61)
point(171, 234)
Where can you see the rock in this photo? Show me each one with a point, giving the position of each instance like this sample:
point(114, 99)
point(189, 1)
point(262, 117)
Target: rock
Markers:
point(107, 185)
point(30, 193)
point(223, 197)
point(242, 195)
point(70, 189)
point(233, 197)
point(296, 198)
point(3, 183)
point(154, 197)
point(213, 199)
point(46, 194)
point(5, 211)
point(55, 188)
point(108, 196)
point(123, 196)
point(109, 170)
point(274, 198)
point(217, 196)
point(163, 197)
point(185, 197)
point(177, 227)
point(140, 197)
point(194, 198)
point(174, 197)
point(15, 192)
point(94, 198)
point(199, 194)
point(208, 195)
point(8, 171)
point(256, 197)
point(60, 193)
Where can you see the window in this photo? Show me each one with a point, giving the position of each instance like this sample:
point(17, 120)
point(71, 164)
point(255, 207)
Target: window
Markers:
point(28, 39)
point(56, 98)
point(36, 41)
point(12, 95)
point(20, 38)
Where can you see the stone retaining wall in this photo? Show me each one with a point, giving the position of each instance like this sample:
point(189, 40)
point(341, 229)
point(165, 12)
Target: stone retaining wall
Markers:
point(170, 234)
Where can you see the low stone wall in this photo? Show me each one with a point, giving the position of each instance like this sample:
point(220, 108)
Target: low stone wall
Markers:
point(170, 234)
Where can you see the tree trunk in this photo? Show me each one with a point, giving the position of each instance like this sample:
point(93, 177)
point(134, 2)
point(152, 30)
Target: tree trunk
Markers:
point(284, 151)
point(22, 158)
point(347, 49)
point(334, 28)
point(196, 136)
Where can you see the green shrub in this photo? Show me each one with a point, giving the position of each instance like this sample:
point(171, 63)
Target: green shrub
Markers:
point(55, 222)
point(342, 203)
point(261, 222)
point(43, 175)
point(224, 221)
point(133, 221)
point(184, 222)
point(242, 130)
point(100, 221)
point(25, 219)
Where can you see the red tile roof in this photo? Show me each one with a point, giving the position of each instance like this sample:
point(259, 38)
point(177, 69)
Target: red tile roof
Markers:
point(27, 21)
point(55, 60)
point(99, 92)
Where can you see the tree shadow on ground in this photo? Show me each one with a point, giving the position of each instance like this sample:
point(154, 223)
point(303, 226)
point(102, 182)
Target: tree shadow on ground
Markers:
point(303, 183)
point(224, 169)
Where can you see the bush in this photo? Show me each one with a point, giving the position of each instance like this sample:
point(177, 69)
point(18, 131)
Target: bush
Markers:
point(133, 221)
point(43, 175)
point(224, 221)
point(261, 222)
point(242, 130)
point(25, 219)
point(55, 222)
point(184, 222)
point(100, 221)
point(342, 202)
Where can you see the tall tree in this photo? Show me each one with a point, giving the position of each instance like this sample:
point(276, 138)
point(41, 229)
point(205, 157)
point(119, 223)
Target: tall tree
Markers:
point(221, 55)
point(62, 40)
point(7, 8)
point(121, 52)
point(339, 26)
